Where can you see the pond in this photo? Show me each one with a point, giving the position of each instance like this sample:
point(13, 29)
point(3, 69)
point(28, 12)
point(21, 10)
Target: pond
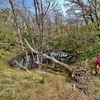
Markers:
point(61, 56)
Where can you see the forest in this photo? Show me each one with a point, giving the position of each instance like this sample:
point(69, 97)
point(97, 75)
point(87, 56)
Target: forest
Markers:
point(48, 49)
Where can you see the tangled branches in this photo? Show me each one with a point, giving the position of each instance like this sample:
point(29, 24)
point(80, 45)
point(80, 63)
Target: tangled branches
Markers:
point(83, 75)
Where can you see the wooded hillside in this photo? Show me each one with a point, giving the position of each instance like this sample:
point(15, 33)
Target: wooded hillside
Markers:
point(48, 32)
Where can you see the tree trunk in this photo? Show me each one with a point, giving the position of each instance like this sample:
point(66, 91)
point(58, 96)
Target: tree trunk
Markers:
point(51, 58)
point(16, 23)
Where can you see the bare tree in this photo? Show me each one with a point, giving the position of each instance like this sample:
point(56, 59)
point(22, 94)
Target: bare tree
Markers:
point(58, 17)
point(42, 9)
point(16, 23)
point(18, 30)
point(88, 10)
point(26, 16)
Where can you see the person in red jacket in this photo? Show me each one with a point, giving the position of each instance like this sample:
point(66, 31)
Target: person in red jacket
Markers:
point(97, 64)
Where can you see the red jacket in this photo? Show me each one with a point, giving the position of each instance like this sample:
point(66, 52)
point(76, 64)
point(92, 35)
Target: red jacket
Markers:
point(97, 61)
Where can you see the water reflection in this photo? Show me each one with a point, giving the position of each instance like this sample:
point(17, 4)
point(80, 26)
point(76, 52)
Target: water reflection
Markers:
point(61, 56)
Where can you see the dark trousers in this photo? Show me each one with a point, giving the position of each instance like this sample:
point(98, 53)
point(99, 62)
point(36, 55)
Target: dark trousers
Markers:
point(96, 71)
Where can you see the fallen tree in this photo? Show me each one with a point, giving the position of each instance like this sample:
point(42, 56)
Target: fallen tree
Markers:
point(82, 73)
point(48, 57)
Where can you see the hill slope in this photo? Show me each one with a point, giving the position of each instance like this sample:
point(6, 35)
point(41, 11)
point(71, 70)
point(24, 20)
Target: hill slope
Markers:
point(16, 84)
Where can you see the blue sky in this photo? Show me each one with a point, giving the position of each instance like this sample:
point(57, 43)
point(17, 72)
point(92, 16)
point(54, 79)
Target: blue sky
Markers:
point(59, 1)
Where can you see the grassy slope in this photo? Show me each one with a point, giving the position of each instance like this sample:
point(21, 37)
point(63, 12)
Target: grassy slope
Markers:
point(16, 84)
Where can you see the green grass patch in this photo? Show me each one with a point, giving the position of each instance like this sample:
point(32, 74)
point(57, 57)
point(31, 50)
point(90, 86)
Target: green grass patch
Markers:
point(96, 81)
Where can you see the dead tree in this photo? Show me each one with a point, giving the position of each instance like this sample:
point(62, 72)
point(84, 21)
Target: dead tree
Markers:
point(16, 23)
point(18, 28)
point(48, 57)
point(82, 74)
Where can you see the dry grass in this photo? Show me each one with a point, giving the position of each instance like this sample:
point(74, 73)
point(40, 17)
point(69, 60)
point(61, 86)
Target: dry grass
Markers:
point(16, 84)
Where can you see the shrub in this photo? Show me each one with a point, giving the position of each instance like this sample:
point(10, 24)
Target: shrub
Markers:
point(42, 81)
point(92, 67)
